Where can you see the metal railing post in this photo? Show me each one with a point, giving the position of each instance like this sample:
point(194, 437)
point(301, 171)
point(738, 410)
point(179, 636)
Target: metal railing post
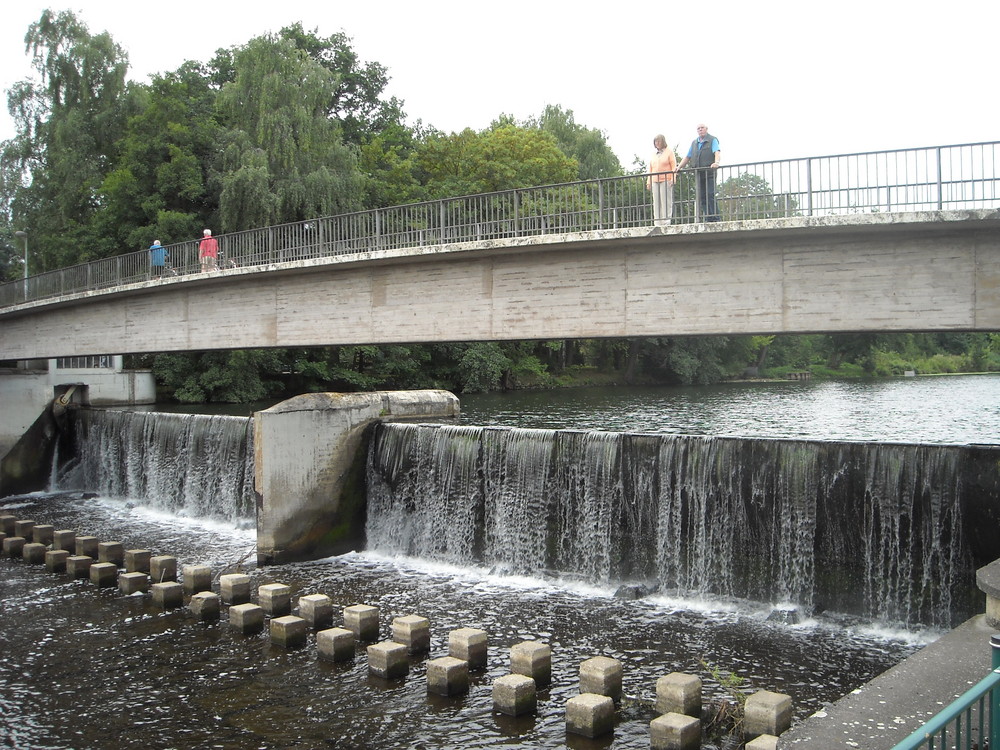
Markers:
point(699, 189)
point(600, 204)
point(995, 694)
point(517, 213)
point(442, 217)
point(809, 188)
point(940, 191)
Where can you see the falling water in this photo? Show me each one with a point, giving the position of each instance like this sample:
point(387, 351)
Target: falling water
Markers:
point(185, 464)
point(876, 530)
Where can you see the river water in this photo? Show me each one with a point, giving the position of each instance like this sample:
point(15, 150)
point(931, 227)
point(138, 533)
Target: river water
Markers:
point(951, 410)
point(88, 668)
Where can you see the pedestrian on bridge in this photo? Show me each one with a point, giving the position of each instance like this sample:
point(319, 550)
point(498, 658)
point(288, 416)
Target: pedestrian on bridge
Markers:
point(157, 259)
point(208, 251)
point(661, 181)
point(705, 156)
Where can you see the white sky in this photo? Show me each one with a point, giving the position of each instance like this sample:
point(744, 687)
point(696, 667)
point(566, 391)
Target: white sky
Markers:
point(772, 79)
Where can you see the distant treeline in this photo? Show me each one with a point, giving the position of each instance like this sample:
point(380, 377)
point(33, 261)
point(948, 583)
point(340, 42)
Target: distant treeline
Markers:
point(244, 376)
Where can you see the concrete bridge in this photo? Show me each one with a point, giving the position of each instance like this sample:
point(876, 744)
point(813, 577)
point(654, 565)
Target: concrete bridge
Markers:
point(883, 241)
point(921, 271)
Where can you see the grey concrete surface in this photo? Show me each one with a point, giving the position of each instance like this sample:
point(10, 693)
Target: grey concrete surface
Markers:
point(924, 271)
point(309, 467)
point(886, 710)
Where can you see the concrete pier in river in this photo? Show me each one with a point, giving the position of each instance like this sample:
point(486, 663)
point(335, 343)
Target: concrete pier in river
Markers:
point(309, 467)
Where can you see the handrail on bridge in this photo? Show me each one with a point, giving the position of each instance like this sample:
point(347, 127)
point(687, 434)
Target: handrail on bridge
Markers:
point(965, 723)
point(973, 718)
point(964, 176)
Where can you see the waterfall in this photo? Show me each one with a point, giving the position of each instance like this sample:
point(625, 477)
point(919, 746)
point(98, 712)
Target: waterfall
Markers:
point(186, 464)
point(876, 530)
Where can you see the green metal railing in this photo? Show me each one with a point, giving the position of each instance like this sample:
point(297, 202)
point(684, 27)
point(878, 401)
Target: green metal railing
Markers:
point(971, 722)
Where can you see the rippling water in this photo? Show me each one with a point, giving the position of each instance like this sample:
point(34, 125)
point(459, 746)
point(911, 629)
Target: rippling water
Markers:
point(952, 410)
point(87, 668)
point(81, 665)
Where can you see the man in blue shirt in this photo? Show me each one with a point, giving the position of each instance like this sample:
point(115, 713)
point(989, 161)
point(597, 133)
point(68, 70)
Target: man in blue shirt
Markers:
point(157, 259)
point(705, 156)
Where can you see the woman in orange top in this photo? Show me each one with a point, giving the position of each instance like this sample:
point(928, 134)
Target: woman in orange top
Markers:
point(661, 181)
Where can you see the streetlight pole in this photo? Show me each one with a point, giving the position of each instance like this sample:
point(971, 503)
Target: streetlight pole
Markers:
point(24, 236)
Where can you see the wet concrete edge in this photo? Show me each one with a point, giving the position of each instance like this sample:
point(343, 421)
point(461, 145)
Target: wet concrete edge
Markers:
point(886, 710)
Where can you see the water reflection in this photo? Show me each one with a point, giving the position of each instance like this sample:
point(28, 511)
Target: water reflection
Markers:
point(82, 665)
point(952, 410)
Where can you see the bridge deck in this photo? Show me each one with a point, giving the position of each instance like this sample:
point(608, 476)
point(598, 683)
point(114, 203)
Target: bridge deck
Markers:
point(870, 272)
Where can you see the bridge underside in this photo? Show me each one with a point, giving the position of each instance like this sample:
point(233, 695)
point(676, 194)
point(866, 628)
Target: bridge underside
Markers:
point(900, 272)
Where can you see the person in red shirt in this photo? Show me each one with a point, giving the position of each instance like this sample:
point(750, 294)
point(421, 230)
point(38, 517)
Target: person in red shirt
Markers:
point(208, 251)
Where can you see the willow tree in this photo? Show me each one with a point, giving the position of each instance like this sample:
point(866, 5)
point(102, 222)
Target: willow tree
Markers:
point(68, 123)
point(357, 101)
point(282, 155)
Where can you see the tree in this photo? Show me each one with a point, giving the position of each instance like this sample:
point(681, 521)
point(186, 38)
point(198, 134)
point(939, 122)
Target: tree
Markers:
point(502, 157)
point(282, 158)
point(748, 196)
point(588, 146)
point(387, 162)
point(160, 186)
point(68, 125)
point(241, 376)
point(11, 259)
point(356, 100)
point(857, 348)
point(692, 360)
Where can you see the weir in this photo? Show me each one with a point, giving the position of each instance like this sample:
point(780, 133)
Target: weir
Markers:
point(890, 532)
point(186, 464)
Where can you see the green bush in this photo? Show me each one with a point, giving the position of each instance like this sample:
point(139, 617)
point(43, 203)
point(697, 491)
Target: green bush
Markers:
point(942, 363)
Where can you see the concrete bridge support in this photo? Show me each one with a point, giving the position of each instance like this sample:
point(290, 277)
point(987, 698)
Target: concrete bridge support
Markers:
point(309, 455)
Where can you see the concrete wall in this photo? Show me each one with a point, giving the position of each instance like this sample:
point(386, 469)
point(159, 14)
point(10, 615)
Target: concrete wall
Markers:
point(933, 271)
point(24, 393)
point(309, 454)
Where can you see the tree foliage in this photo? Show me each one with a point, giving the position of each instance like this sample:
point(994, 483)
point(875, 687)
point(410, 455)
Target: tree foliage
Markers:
point(749, 196)
point(240, 376)
point(282, 157)
point(589, 146)
point(502, 157)
point(69, 122)
point(356, 100)
point(159, 188)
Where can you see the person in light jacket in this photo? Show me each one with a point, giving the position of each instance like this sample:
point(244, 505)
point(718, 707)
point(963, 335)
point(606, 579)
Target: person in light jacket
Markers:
point(661, 181)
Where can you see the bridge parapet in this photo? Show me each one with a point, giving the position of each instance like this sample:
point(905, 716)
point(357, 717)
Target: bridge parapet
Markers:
point(941, 178)
point(930, 271)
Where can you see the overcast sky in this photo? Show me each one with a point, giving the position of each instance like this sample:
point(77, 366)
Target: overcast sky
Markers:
point(772, 79)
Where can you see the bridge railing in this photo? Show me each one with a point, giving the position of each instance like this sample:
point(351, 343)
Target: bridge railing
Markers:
point(971, 722)
point(965, 176)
